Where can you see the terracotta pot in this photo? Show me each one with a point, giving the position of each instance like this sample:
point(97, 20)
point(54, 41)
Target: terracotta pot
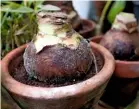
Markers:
point(124, 69)
point(87, 29)
point(6, 100)
point(66, 97)
point(124, 84)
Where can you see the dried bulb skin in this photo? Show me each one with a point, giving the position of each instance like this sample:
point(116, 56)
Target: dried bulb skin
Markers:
point(67, 7)
point(58, 61)
point(119, 44)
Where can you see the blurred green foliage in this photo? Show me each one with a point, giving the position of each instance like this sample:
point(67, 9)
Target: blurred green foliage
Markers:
point(110, 10)
point(18, 23)
point(117, 7)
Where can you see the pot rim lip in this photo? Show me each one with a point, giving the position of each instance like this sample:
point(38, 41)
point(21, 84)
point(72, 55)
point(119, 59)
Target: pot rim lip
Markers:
point(80, 88)
point(91, 23)
point(117, 61)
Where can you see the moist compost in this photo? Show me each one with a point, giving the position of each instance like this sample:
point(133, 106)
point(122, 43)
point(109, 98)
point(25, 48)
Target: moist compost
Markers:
point(133, 58)
point(20, 74)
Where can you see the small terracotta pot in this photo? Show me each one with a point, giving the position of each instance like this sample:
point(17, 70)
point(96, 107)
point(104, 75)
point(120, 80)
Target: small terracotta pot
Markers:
point(123, 86)
point(124, 69)
point(87, 28)
point(66, 97)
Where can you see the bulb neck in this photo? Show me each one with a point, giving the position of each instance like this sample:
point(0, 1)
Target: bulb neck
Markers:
point(54, 29)
point(125, 22)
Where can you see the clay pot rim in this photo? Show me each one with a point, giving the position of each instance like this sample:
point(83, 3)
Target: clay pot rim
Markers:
point(117, 61)
point(91, 23)
point(57, 92)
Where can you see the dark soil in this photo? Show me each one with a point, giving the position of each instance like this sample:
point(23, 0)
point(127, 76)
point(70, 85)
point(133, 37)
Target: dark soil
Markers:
point(133, 58)
point(19, 73)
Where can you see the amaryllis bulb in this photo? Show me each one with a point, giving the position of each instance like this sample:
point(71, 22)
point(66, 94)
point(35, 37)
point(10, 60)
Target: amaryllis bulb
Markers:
point(118, 40)
point(57, 50)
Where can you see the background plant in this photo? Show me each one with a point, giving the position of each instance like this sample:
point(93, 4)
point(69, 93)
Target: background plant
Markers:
point(18, 23)
point(115, 8)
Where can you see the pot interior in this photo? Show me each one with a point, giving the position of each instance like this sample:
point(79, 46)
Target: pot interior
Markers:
point(18, 72)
